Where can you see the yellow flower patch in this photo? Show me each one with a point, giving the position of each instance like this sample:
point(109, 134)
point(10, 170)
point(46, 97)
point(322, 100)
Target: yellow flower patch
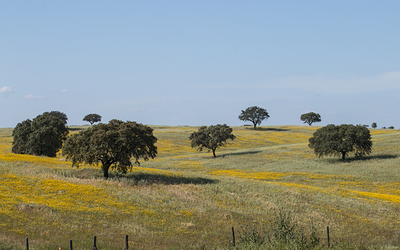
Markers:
point(9, 157)
point(56, 194)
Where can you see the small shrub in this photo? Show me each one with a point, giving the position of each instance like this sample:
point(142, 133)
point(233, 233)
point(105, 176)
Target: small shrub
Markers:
point(283, 234)
point(314, 237)
point(251, 235)
point(284, 228)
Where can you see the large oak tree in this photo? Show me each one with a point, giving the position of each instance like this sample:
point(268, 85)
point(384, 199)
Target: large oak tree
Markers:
point(92, 118)
point(60, 115)
point(112, 145)
point(211, 137)
point(340, 140)
point(310, 118)
point(254, 114)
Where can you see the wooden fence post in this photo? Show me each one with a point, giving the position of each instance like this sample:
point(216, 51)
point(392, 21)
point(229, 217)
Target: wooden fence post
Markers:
point(27, 244)
point(327, 232)
point(233, 236)
point(126, 242)
point(70, 245)
point(94, 243)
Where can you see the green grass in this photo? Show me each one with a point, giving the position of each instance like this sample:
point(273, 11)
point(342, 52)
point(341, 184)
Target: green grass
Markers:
point(186, 199)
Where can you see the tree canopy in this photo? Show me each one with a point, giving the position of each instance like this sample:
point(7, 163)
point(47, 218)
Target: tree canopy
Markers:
point(92, 118)
point(254, 114)
point(112, 145)
point(211, 137)
point(20, 135)
point(374, 125)
point(340, 140)
point(44, 135)
point(310, 118)
point(59, 115)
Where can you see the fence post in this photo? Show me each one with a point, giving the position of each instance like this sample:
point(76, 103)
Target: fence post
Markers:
point(327, 232)
point(94, 243)
point(233, 236)
point(27, 244)
point(70, 245)
point(126, 242)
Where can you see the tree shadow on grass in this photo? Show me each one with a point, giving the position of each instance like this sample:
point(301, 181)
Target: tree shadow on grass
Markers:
point(240, 153)
point(145, 178)
point(364, 158)
point(134, 178)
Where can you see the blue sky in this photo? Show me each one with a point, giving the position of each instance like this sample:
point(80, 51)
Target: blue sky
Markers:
point(201, 62)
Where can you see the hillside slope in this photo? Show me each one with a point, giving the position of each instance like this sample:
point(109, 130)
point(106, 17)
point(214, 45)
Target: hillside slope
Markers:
point(188, 198)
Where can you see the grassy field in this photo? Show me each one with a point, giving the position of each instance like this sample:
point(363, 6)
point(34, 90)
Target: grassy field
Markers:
point(186, 199)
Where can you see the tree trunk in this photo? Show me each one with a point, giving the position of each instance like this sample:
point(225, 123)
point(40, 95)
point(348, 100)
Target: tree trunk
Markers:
point(343, 156)
point(105, 167)
point(254, 124)
point(214, 153)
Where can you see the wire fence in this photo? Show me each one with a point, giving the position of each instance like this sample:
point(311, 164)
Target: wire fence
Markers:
point(94, 244)
point(127, 245)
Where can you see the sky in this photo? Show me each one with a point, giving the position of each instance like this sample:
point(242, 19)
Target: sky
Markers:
point(201, 62)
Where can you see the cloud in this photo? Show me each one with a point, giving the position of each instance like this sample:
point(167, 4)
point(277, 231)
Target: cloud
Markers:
point(132, 109)
point(6, 89)
point(33, 97)
point(63, 91)
point(391, 75)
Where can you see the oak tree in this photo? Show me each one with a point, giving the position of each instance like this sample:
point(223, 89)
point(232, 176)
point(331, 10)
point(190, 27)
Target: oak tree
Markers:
point(59, 115)
point(44, 135)
point(20, 135)
point(92, 118)
point(310, 118)
point(112, 145)
point(340, 140)
point(254, 114)
point(211, 137)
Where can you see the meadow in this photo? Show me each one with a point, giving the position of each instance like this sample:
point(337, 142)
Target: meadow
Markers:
point(185, 199)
